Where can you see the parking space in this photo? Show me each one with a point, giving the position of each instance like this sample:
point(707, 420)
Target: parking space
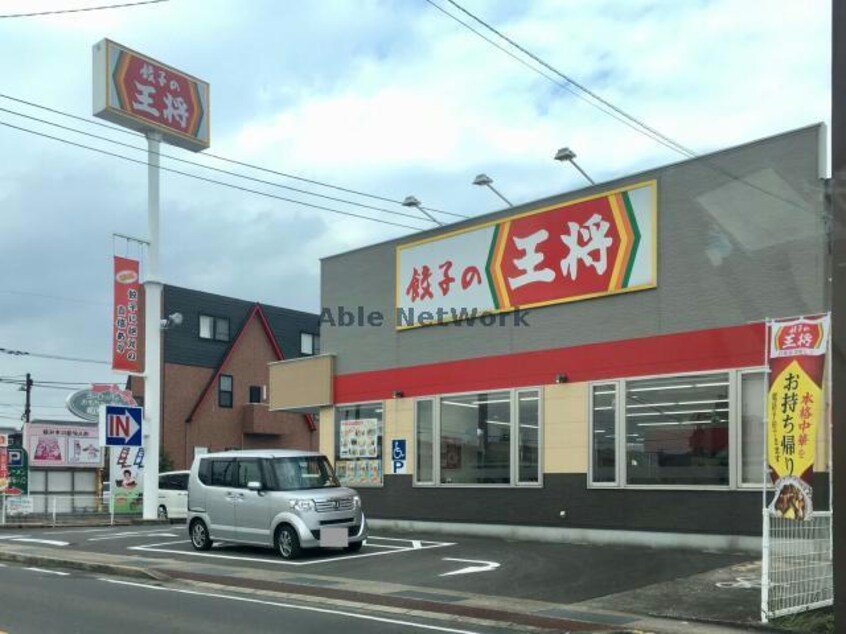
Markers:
point(561, 573)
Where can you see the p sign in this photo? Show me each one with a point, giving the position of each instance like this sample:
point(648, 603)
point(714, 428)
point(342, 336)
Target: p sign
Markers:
point(398, 456)
point(121, 425)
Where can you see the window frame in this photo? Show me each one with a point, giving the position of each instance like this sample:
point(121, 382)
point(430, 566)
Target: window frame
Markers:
point(230, 391)
point(313, 337)
point(215, 330)
point(738, 433)
point(514, 468)
point(250, 395)
point(735, 464)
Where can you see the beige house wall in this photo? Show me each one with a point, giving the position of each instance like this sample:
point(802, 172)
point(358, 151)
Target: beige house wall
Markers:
point(566, 429)
point(326, 432)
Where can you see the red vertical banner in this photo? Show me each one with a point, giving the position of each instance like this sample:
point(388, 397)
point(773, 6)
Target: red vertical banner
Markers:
point(126, 327)
point(795, 411)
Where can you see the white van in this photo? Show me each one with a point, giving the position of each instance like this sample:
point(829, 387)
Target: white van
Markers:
point(173, 495)
point(285, 499)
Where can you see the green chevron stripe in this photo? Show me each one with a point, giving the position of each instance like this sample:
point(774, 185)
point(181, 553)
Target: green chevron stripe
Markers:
point(488, 267)
point(636, 245)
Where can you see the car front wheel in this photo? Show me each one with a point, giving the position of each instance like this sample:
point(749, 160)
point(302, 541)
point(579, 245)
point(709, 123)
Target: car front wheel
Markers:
point(162, 513)
point(200, 539)
point(288, 542)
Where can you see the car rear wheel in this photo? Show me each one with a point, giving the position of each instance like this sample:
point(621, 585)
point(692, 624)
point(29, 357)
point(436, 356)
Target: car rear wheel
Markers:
point(200, 539)
point(288, 542)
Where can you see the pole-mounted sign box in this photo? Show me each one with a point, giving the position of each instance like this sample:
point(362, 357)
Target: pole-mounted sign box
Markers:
point(138, 92)
point(121, 426)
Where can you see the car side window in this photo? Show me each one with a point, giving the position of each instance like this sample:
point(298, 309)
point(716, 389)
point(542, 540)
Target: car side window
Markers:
point(222, 473)
point(180, 482)
point(204, 472)
point(248, 471)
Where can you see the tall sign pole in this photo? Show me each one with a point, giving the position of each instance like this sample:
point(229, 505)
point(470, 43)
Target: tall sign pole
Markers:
point(152, 334)
point(170, 106)
point(838, 306)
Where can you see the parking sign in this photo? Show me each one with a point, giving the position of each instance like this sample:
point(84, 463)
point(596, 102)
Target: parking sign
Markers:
point(121, 425)
point(398, 455)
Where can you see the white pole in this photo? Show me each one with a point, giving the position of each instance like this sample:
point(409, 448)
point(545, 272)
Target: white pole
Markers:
point(54, 511)
point(153, 335)
point(3, 519)
point(765, 568)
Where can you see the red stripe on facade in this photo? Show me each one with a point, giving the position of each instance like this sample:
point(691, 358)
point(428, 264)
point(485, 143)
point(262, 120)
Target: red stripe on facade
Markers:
point(702, 350)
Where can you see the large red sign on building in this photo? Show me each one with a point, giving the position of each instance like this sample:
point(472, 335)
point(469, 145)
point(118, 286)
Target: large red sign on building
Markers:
point(140, 93)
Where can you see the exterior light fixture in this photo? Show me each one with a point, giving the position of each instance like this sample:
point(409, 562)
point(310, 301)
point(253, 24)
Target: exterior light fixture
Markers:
point(483, 180)
point(560, 378)
point(398, 393)
point(412, 201)
point(565, 154)
point(172, 320)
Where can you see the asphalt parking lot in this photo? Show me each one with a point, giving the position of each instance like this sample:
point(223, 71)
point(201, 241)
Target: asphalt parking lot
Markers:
point(560, 573)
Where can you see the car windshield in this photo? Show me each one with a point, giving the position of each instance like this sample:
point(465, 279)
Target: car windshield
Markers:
point(306, 472)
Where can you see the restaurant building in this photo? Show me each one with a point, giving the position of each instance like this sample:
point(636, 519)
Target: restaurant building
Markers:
point(591, 365)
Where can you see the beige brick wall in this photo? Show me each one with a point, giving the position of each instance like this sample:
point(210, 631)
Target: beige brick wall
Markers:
point(565, 443)
point(399, 423)
point(326, 433)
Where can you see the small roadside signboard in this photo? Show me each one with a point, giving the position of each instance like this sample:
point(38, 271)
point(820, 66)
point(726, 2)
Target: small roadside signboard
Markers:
point(398, 456)
point(121, 426)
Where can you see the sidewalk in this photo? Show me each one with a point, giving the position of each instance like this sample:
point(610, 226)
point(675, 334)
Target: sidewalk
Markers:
point(680, 606)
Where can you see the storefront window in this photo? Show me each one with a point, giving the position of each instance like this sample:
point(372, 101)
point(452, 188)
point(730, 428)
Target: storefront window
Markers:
point(752, 427)
point(476, 439)
point(677, 430)
point(358, 444)
point(425, 441)
point(528, 447)
point(604, 434)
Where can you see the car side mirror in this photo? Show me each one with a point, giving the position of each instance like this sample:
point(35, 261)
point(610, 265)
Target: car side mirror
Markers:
point(254, 486)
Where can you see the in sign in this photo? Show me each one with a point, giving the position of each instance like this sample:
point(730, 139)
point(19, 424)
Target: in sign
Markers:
point(122, 425)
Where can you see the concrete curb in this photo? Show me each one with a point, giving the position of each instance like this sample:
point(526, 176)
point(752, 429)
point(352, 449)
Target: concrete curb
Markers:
point(88, 566)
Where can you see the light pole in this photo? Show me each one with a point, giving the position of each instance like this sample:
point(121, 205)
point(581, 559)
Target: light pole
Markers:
point(565, 154)
point(411, 201)
point(483, 180)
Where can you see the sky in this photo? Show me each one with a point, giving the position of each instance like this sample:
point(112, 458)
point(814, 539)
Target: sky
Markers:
point(386, 97)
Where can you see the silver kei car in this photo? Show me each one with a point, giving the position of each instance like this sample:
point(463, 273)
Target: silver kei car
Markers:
point(288, 500)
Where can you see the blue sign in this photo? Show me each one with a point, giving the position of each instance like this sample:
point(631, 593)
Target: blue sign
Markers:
point(398, 455)
point(398, 449)
point(123, 426)
point(16, 457)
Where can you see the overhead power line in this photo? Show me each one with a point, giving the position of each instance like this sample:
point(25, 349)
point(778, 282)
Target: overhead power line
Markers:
point(221, 183)
point(209, 167)
point(227, 159)
point(24, 353)
point(592, 98)
point(124, 5)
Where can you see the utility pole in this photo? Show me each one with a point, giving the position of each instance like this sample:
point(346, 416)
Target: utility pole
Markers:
point(28, 389)
point(838, 307)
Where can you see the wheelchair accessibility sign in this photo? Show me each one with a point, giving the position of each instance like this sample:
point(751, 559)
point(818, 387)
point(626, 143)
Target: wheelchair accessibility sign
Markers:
point(398, 456)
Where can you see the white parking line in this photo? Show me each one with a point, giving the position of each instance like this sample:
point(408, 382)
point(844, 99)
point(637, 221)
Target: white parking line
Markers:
point(11, 536)
point(131, 535)
point(49, 572)
point(290, 606)
point(156, 548)
point(77, 530)
point(33, 540)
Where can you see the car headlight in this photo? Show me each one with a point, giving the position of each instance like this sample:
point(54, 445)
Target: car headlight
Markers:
point(356, 502)
point(302, 506)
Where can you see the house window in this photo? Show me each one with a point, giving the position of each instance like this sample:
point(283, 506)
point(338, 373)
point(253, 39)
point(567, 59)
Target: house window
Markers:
point(693, 430)
point(255, 394)
point(358, 444)
point(309, 344)
point(224, 390)
point(216, 328)
point(487, 438)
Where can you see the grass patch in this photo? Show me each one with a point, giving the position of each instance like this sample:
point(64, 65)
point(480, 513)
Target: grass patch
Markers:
point(813, 622)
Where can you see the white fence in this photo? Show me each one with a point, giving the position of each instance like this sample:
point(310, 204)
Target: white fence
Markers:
point(54, 509)
point(797, 571)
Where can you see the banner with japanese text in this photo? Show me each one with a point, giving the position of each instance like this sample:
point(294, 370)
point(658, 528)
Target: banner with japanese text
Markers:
point(795, 409)
point(597, 246)
point(126, 329)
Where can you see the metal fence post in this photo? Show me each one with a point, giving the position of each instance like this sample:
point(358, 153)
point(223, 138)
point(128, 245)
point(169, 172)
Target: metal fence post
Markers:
point(54, 511)
point(111, 508)
point(3, 512)
point(765, 567)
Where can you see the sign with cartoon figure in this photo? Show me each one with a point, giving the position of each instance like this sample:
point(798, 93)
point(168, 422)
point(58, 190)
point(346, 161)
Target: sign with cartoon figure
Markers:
point(602, 245)
point(127, 479)
point(795, 411)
